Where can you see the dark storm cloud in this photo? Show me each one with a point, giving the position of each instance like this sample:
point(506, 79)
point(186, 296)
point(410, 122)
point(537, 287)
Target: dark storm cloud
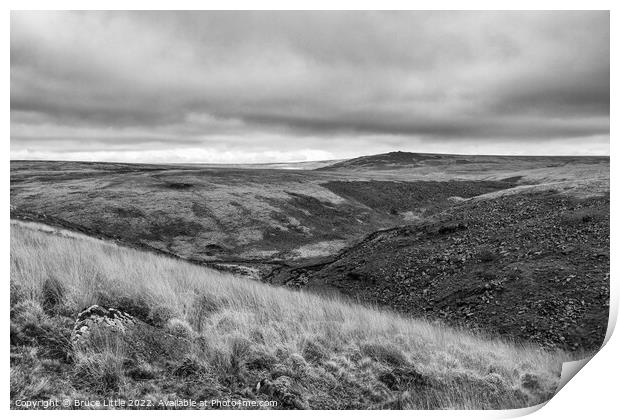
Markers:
point(225, 81)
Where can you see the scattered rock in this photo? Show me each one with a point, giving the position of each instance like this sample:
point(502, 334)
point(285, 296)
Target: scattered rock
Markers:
point(283, 390)
point(96, 317)
point(142, 342)
point(507, 266)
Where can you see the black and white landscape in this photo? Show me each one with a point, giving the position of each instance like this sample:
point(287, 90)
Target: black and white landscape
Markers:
point(306, 210)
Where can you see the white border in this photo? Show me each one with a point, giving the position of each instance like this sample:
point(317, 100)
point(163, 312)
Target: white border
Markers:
point(591, 395)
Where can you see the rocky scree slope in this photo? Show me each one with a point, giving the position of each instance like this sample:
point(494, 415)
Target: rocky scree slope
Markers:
point(529, 267)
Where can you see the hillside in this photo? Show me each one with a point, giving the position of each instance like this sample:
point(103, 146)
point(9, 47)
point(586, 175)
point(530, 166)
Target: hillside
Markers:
point(529, 266)
point(400, 160)
point(261, 217)
point(528, 257)
point(198, 333)
point(223, 214)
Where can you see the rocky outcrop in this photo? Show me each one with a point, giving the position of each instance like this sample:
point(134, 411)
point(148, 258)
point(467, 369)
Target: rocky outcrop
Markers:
point(97, 317)
point(142, 342)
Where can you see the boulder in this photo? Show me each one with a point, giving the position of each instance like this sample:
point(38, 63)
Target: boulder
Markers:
point(141, 341)
point(97, 317)
point(284, 390)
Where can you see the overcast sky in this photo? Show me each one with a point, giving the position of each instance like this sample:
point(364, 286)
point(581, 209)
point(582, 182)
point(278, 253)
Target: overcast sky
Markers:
point(288, 86)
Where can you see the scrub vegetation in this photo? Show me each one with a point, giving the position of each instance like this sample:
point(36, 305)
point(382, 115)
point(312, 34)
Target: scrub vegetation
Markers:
point(225, 337)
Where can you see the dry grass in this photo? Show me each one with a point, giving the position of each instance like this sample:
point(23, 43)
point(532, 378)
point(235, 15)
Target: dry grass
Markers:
point(335, 354)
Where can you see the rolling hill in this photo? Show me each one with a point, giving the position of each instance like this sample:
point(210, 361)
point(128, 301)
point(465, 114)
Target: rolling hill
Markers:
point(253, 216)
point(513, 246)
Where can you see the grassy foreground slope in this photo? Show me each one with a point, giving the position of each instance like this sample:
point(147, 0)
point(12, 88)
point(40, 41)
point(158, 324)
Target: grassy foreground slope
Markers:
point(319, 352)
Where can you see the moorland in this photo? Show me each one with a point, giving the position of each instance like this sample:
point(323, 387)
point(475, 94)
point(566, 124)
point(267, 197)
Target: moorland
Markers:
point(401, 280)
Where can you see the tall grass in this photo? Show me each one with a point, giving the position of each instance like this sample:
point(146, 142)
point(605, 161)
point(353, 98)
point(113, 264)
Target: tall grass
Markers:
point(338, 354)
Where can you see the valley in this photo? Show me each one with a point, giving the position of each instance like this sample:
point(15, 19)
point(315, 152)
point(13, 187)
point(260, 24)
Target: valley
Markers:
point(516, 247)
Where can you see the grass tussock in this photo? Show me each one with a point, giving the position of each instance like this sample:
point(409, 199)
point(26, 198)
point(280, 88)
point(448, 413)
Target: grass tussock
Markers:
point(243, 340)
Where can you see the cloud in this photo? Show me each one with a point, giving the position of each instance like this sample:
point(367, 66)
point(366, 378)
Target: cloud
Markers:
point(264, 85)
